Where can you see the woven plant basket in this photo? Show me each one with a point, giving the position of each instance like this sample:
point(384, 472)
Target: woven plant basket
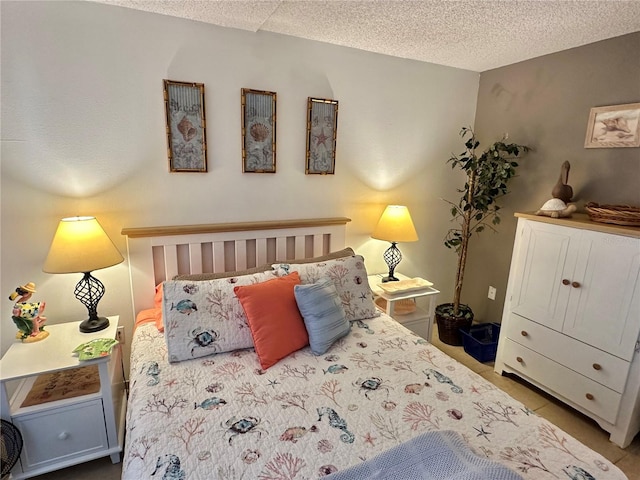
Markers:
point(615, 214)
point(449, 326)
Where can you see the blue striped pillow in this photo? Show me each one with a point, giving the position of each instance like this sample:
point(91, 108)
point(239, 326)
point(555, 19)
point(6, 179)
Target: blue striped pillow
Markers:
point(323, 314)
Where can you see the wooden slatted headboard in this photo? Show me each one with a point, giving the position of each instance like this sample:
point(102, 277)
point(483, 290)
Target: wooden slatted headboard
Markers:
point(156, 254)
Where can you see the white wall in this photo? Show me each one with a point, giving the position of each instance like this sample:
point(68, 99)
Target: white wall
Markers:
point(83, 133)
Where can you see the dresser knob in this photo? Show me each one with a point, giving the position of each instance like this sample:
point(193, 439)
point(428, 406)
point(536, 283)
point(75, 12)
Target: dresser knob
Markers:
point(575, 284)
point(524, 333)
point(63, 435)
point(589, 396)
point(597, 366)
point(565, 281)
point(519, 359)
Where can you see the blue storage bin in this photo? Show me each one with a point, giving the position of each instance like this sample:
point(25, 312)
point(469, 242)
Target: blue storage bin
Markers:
point(481, 341)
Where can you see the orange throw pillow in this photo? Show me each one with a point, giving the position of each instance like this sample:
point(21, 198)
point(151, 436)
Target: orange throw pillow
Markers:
point(275, 322)
point(157, 302)
point(152, 314)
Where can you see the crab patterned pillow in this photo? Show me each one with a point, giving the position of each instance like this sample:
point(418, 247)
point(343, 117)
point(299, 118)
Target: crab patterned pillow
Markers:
point(205, 317)
point(349, 276)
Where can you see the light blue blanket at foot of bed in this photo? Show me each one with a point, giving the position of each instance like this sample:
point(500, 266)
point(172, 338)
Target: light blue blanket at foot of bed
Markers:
point(442, 455)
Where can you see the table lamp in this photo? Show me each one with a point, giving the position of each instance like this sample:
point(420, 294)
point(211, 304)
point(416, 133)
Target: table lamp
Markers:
point(395, 225)
point(80, 245)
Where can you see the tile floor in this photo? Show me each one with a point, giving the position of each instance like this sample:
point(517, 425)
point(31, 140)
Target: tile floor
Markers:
point(571, 421)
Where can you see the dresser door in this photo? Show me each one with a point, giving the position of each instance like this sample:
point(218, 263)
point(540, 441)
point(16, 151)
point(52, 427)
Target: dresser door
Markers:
point(544, 258)
point(604, 299)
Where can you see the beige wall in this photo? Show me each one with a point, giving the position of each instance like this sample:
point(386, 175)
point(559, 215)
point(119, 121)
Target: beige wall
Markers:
point(545, 103)
point(83, 133)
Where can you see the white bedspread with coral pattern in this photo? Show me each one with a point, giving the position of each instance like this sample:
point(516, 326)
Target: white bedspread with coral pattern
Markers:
point(221, 417)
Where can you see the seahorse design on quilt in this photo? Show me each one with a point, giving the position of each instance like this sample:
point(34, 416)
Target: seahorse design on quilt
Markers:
point(173, 470)
point(153, 372)
point(443, 379)
point(336, 421)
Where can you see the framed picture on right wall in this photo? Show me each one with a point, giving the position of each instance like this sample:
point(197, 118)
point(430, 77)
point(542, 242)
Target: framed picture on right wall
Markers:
point(614, 126)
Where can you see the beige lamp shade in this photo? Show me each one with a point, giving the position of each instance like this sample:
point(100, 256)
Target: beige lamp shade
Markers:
point(80, 245)
point(395, 225)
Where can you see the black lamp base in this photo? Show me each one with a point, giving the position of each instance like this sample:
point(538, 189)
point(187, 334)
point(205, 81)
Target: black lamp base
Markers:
point(94, 325)
point(392, 257)
point(89, 291)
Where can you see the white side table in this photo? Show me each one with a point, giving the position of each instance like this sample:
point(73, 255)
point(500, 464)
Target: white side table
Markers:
point(420, 321)
point(61, 433)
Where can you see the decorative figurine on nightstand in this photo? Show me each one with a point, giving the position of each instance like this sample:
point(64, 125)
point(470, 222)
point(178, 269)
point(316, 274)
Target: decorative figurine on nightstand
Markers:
point(28, 315)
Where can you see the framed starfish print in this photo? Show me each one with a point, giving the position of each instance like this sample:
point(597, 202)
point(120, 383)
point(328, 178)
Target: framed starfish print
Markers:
point(322, 126)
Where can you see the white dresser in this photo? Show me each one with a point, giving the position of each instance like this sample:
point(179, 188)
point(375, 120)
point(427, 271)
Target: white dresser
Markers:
point(572, 317)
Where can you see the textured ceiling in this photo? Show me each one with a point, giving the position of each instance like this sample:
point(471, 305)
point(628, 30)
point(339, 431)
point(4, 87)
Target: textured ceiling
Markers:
point(475, 35)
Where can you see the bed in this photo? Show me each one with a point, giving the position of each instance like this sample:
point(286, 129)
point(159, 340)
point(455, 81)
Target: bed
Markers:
point(213, 408)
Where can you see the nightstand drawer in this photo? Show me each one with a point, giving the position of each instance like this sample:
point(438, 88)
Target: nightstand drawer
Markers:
point(578, 389)
point(600, 366)
point(59, 434)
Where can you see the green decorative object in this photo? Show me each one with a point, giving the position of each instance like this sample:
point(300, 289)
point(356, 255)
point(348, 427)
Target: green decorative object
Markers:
point(99, 347)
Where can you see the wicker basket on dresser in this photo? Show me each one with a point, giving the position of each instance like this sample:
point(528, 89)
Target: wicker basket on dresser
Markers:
point(572, 317)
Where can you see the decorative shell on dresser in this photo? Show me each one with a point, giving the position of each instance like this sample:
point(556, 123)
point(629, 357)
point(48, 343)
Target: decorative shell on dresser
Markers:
point(556, 208)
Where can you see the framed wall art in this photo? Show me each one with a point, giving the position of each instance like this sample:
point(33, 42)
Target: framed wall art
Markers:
point(258, 131)
point(322, 126)
point(614, 126)
point(186, 135)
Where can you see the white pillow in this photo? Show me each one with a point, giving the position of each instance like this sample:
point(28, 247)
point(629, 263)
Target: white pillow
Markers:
point(349, 276)
point(205, 317)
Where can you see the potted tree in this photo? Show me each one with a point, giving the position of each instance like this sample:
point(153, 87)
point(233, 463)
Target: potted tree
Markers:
point(487, 176)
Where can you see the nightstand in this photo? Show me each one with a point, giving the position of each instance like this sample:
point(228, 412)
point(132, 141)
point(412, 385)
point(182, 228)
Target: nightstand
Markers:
point(59, 430)
point(404, 308)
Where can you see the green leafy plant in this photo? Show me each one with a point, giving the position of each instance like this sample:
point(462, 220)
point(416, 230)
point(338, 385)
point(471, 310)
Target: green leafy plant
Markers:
point(487, 178)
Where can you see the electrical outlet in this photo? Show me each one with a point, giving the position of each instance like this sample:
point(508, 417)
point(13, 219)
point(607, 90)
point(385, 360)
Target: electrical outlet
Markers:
point(120, 335)
point(492, 293)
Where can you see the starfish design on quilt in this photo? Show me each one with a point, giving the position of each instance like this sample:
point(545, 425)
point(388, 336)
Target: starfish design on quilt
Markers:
point(377, 352)
point(273, 383)
point(171, 383)
point(369, 439)
point(321, 138)
point(364, 296)
point(474, 389)
point(482, 433)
